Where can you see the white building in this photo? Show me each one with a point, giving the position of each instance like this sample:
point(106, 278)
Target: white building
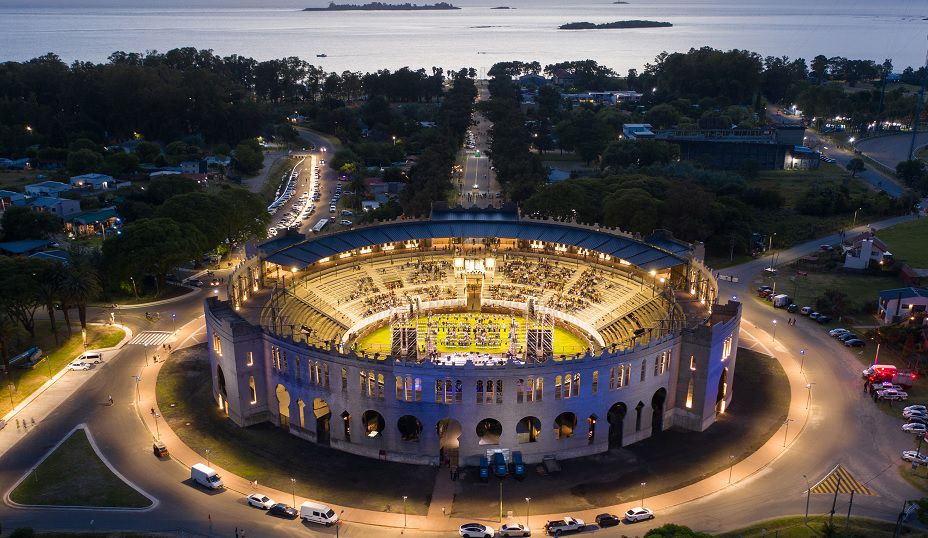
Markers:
point(47, 188)
point(93, 181)
point(897, 304)
point(635, 131)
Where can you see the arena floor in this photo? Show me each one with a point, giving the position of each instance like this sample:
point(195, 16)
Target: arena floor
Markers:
point(565, 341)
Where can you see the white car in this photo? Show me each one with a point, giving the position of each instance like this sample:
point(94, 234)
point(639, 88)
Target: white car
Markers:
point(345, 222)
point(514, 529)
point(260, 500)
point(80, 365)
point(838, 332)
point(915, 457)
point(476, 530)
point(638, 513)
point(916, 408)
point(910, 414)
point(914, 427)
point(92, 357)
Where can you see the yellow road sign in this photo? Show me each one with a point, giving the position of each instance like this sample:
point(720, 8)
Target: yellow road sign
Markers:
point(843, 481)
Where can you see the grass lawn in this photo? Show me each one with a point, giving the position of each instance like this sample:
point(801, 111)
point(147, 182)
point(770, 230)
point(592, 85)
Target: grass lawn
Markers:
point(16, 180)
point(58, 356)
point(860, 288)
point(272, 456)
point(276, 176)
point(796, 527)
point(74, 475)
point(666, 462)
point(169, 291)
point(908, 242)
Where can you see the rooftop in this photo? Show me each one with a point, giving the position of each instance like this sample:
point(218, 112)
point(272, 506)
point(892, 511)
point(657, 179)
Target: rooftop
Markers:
point(903, 293)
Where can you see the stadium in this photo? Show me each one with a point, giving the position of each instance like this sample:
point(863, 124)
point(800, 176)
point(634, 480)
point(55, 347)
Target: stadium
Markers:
point(444, 339)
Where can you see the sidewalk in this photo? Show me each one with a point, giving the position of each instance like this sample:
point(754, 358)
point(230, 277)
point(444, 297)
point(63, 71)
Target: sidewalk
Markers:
point(45, 400)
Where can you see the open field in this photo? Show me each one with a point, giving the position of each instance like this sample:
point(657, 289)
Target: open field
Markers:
point(272, 456)
point(797, 527)
point(74, 475)
point(58, 356)
point(908, 242)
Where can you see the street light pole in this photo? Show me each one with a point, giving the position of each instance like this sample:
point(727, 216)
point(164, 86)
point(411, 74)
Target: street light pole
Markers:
point(809, 399)
point(138, 379)
point(293, 490)
point(731, 468)
point(786, 430)
point(808, 496)
point(802, 360)
point(770, 248)
point(174, 321)
point(643, 484)
point(207, 451)
point(404, 510)
point(157, 429)
point(528, 506)
point(855, 217)
point(774, 331)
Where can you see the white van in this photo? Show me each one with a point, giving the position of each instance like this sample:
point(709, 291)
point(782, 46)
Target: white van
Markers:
point(318, 513)
point(92, 357)
point(205, 476)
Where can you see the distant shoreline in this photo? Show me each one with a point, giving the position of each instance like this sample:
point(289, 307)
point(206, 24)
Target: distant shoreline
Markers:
point(380, 6)
point(613, 25)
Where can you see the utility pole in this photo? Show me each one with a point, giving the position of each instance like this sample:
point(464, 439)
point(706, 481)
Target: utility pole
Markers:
point(918, 110)
point(834, 502)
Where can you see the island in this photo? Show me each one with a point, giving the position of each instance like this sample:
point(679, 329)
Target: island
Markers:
point(380, 6)
point(501, 7)
point(613, 25)
point(620, 2)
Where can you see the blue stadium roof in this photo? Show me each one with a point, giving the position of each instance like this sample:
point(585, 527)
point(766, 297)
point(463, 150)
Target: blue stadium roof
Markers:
point(645, 255)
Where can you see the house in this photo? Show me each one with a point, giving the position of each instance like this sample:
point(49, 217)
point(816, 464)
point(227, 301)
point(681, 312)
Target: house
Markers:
point(564, 78)
point(93, 181)
point(802, 158)
point(60, 207)
point(636, 131)
point(864, 250)
point(15, 164)
point(610, 98)
point(215, 160)
point(19, 248)
point(11, 198)
point(532, 79)
point(728, 149)
point(88, 222)
point(56, 255)
point(193, 167)
point(47, 188)
point(900, 303)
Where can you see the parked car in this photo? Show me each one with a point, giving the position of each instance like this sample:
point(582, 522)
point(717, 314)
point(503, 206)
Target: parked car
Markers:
point(607, 520)
point(568, 524)
point(514, 529)
point(283, 510)
point(914, 427)
point(915, 457)
point(318, 513)
point(476, 530)
point(345, 222)
point(80, 365)
point(855, 342)
point(814, 315)
point(915, 409)
point(195, 282)
point(639, 513)
point(92, 357)
point(806, 310)
point(484, 469)
point(500, 467)
point(260, 500)
point(792, 308)
point(838, 332)
point(205, 476)
point(518, 467)
point(907, 413)
point(918, 420)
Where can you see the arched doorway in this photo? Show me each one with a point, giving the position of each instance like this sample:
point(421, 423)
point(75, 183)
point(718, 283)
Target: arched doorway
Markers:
point(283, 406)
point(638, 409)
point(591, 428)
point(223, 396)
point(489, 431)
point(449, 433)
point(410, 428)
point(564, 425)
point(373, 423)
point(723, 392)
point(527, 430)
point(323, 415)
point(657, 411)
point(616, 419)
point(301, 410)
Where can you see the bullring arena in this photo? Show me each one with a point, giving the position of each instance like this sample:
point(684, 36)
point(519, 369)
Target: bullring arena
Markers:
point(437, 340)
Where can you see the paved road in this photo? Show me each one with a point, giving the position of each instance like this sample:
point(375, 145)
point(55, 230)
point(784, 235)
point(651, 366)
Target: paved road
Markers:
point(890, 150)
point(479, 185)
point(842, 426)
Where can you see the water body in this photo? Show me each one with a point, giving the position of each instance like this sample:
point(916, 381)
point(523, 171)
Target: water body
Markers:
point(475, 36)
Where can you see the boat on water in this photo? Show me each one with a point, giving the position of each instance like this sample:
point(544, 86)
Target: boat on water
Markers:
point(322, 55)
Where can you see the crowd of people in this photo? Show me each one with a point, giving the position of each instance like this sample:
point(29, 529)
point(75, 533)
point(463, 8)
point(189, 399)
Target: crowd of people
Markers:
point(541, 274)
point(481, 331)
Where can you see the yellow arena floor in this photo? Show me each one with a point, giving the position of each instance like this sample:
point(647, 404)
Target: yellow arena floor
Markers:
point(378, 341)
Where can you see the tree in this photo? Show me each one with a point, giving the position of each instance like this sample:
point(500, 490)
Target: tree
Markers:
point(79, 285)
point(749, 169)
point(152, 247)
point(147, 152)
point(47, 275)
point(21, 298)
point(663, 116)
point(834, 302)
point(248, 160)
point(84, 161)
point(243, 216)
point(622, 153)
point(819, 68)
point(914, 174)
point(203, 211)
point(20, 222)
point(855, 166)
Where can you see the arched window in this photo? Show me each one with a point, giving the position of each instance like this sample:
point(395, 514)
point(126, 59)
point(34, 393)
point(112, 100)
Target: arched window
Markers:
point(299, 374)
point(458, 391)
point(520, 386)
point(325, 372)
point(399, 388)
point(644, 369)
point(595, 381)
point(408, 388)
point(479, 391)
point(557, 387)
point(576, 387)
point(344, 379)
point(567, 384)
point(499, 391)
point(254, 389)
point(380, 386)
point(418, 389)
point(539, 388)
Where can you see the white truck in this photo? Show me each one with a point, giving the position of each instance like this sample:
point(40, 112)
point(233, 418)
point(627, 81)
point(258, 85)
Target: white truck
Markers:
point(781, 301)
point(205, 476)
point(568, 524)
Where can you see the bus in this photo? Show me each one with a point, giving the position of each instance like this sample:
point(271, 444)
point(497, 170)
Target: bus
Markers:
point(320, 225)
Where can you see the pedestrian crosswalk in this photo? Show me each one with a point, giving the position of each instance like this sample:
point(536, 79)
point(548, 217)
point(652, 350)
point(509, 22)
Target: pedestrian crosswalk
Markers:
point(843, 481)
point(151, 338)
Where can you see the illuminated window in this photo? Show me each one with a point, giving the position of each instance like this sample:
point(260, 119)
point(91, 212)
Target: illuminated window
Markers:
point(557, 387)
point(539, 388)
point(408, 388)
point(595, 381)
point(692, 363)
point(249, 359)
point(217, 345)
point(627, 370)
point(254, 390)
point(567, 385)
point(689, 392)
point(418, 387)
point(726, 347)
point(399, 388)
point(488, 396)
point(612, 379)
point(380, 386)
point(644, 369)
point(576, 387)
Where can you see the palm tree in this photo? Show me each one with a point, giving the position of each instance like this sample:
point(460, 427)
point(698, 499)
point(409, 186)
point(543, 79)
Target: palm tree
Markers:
point(358, 186)
point(48, 286)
